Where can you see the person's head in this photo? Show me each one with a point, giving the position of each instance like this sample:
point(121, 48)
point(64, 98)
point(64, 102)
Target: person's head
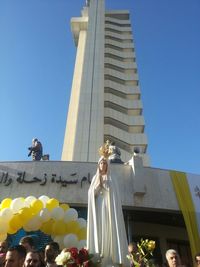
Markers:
point(132, 248)
point(34, 141)
point(3, 246)
point(51, 252)
point(197, 259)
point(32, 259)
point(15, 256)
point(27, 242)
point(173, 258)
point(3, 250)
point(103, 166)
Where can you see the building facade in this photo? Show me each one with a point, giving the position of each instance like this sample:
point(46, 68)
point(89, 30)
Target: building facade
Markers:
point(105, 98)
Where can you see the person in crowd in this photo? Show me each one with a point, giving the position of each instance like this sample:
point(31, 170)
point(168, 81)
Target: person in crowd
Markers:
point(27, 242)
point(32, 259)
point(3, 246)
point(51, 252)
point(173, 258)
point(36, 150)
point(3, 250)
point(197, 259)
point(132, 250)
point(41, 253)
point(106, 234)
point(15, 256)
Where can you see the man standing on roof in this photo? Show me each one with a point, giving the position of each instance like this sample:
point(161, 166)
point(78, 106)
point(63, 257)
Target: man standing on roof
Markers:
point(35, 150)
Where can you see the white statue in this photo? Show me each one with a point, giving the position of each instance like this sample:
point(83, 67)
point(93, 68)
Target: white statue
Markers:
point(106, 234)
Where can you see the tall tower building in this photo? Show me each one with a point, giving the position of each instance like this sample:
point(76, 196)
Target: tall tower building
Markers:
point(105, 96)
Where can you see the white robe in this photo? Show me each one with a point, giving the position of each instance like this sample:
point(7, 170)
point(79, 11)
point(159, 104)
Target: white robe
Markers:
point(106, 234)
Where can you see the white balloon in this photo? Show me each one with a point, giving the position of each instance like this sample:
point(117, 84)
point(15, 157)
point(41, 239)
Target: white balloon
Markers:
point(70, 215)
point(26, 204)
point(82, 222)
point(44, 199)
point(59, 239)
point(70, 240)
point(6, 214)
point(44, 215)
point(57, 213)
point(81, 244)
point(29, 199)
point(17, 204)
point(32, 225)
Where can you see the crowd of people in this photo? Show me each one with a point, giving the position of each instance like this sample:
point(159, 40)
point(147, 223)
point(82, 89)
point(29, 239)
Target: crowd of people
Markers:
point(172, 258)
point(25, 255)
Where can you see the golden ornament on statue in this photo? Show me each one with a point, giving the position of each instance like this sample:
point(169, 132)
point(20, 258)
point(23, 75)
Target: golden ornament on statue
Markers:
point(105, 150)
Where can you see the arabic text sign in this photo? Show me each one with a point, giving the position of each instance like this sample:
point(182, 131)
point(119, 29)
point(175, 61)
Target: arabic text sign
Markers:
point(7, 179)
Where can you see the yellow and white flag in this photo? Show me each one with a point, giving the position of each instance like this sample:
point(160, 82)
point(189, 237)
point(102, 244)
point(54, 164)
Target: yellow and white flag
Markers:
point(187, 190)
point(194, 185)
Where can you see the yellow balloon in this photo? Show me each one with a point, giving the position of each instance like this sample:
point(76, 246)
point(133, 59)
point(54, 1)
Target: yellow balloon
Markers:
point(3, 237)
point(25, 214)
point(52, 203)
point(6, 203)
point(3, 227)
point(64, 206)
point(82, 234)
point(47, 227)
point(11, 231)
point(72, 227)
point(36, 205)
point(58, 228)
point(15, 222)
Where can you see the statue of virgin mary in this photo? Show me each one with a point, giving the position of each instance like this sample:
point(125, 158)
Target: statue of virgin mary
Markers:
point(106, 234)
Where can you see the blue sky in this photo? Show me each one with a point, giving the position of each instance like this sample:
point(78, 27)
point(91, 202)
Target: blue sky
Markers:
point(37, 57)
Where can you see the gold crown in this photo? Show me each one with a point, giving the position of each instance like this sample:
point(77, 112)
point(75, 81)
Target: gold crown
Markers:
point(105, 150)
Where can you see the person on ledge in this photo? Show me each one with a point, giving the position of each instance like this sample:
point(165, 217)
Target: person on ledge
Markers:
point(115, 156)
point(106, 234)
point(35, 150)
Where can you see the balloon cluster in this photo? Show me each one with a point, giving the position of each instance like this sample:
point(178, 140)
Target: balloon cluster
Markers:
point(45, 214)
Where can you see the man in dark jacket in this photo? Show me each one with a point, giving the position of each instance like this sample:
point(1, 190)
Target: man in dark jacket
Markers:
point(36, 150)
